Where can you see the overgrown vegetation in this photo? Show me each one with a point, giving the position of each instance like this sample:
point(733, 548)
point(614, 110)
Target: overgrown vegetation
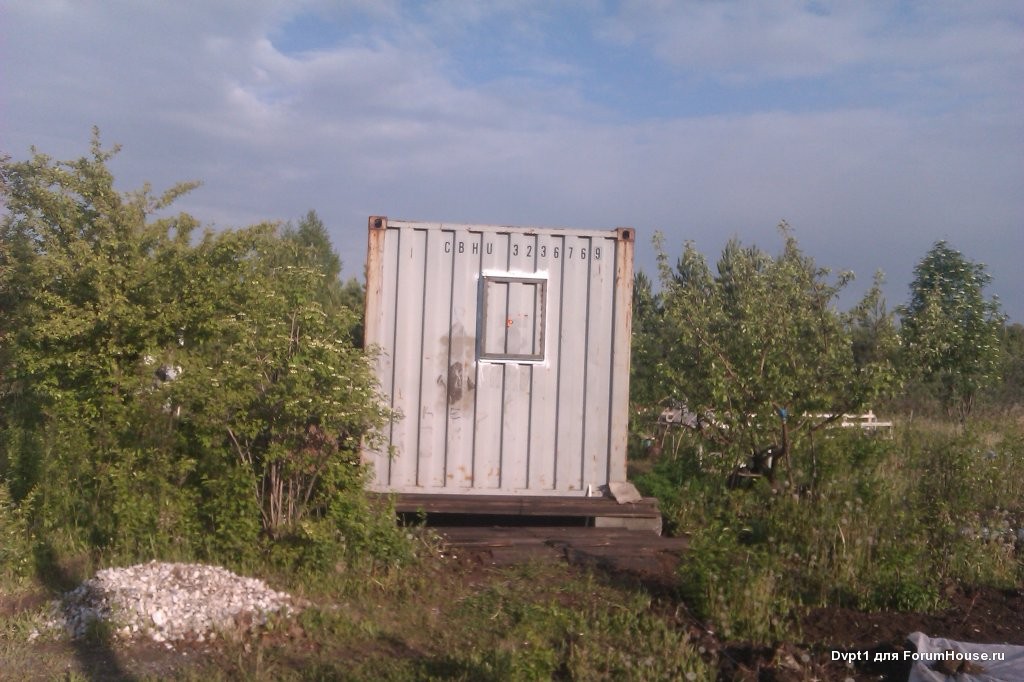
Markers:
point(864, 521)
point(755, 347)
point(888, 525)
point(166, 393)
point(169, 394)
point(950, 331)
point(442, 620)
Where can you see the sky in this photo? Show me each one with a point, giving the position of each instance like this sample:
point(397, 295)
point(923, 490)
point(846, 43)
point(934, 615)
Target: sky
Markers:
point(873, 128)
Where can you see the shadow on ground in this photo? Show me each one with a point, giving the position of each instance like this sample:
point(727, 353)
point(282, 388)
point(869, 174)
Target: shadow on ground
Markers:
point(97, 660)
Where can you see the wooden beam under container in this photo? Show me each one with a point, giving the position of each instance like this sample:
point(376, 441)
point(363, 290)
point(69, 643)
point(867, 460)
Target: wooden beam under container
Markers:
point(520, 505)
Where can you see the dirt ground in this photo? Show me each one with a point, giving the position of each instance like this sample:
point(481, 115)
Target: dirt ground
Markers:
point(978, 615)
point(981, 615)
point(975, 615)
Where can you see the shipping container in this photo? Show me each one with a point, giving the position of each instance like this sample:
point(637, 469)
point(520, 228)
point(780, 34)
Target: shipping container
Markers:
point(506, 352)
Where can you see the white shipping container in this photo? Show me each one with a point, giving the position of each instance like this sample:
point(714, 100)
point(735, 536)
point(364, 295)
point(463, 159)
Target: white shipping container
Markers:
point(506, 351)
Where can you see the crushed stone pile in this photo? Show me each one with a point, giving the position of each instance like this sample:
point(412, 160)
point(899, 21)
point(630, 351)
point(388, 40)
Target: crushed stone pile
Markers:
point(170, 602)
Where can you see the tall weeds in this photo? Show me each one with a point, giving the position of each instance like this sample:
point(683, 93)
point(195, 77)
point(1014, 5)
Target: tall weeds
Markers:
point(881, 524)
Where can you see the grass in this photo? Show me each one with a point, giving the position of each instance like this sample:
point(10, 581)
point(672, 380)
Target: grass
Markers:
point(878, 525)
point(433, 620)
point(521, 623)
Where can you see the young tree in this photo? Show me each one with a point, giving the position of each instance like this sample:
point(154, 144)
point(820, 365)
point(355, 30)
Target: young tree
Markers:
point(648, 345)
point(1009, 393)
point(874, 333)
point(353, 297)
point(758, 349)
point(950, 332)
point(310, 246)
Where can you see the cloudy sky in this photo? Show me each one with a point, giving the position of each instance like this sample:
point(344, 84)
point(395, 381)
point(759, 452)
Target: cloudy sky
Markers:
point(873, 128)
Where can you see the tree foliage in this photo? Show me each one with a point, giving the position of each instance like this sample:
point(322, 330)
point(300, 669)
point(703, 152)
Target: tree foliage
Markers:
point(1009, 393)
point(83, 281)
point(276, 376)
point(648, 347)
point(757, 342)
point(950, 332)
point(160, 392)
point(310, 247)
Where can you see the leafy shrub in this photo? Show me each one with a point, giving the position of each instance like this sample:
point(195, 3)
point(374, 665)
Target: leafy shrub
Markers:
point(163, 395)
point(15, 543)
point(878, 524)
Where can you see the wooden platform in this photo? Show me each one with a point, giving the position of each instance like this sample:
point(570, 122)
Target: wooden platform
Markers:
point(445, 510)
point(522, 505)
point(617, 549)
point(591, 531)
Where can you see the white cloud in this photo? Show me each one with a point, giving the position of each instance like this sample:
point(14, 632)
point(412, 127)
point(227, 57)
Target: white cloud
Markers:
point(384, 120)
point(968, 45)
point(745, 40)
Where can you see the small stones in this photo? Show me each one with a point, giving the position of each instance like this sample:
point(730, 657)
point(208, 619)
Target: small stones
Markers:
point(170, 602)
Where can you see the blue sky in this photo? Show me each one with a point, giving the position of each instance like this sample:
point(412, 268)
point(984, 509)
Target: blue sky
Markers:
point(873, 128)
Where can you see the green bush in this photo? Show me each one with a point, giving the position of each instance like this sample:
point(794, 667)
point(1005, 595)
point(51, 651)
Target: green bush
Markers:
point(15, 542)
point(877, 524)
point(162, 395)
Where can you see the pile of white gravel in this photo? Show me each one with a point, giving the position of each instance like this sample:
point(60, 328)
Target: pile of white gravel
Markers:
point(169, 602)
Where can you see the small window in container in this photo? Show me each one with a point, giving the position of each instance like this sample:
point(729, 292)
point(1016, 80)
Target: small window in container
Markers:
point(512, 327)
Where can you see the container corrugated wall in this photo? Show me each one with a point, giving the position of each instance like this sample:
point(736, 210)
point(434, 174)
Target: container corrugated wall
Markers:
point(506, 350)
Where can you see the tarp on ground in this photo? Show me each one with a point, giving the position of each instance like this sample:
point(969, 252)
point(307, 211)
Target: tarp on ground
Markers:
point(940, 660)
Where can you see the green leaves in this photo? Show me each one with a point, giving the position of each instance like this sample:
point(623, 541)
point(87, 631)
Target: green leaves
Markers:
point(148, 378)
point(951, 333)
point(759, 333)
point(286, 381)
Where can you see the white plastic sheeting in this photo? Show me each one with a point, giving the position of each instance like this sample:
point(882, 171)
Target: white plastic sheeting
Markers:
point(968, 662)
